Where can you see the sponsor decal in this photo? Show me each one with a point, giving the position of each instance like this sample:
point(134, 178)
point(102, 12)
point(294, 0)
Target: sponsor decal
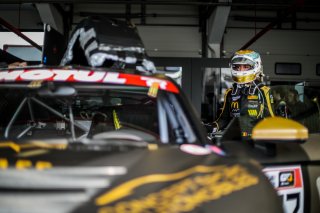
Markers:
point(288, 182)
point(235, 105)
point(235, 111)
point(244, 134)
point(74, 75)
point(33, 145)
point(182, 191)
point(252, 112)
point(271, 99)
point(25, 164)
point(153, 90)
point(236, 114)
point(253, 105)
point(35, 84)
point(286, 178)
point(252, 97)
point(194, 149)
point(234, 98)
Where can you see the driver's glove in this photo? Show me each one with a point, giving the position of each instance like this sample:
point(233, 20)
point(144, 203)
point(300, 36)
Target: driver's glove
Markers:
point(214, 130)
point(211, 128)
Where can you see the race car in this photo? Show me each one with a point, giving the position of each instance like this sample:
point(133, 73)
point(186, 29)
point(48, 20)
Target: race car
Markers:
point(104, 131)
point(286, 146)
point(79, 139)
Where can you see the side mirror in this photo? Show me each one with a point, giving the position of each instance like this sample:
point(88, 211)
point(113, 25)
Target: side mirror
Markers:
point(279, 130)
point(276, 130)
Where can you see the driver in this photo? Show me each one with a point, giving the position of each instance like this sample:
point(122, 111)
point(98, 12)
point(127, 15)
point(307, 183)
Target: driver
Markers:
point(248, 98)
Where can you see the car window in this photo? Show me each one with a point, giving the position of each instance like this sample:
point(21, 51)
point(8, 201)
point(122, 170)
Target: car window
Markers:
point(81, 111)
point(93, 110)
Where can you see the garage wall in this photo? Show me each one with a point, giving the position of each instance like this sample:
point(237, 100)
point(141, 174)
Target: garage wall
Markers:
point(171, 41)
point(280, 46)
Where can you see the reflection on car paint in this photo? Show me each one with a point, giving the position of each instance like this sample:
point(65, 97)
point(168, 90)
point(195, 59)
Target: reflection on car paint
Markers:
point(194, 149)
point(195, 186)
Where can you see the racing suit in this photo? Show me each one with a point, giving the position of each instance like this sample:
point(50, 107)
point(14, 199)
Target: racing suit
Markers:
point(252, 102)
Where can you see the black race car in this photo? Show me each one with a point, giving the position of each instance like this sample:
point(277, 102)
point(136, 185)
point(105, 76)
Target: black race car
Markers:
point(76, 139)
point(287, 146)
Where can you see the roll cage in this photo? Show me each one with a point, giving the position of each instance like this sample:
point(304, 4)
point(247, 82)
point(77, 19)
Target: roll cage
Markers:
point(173, 123)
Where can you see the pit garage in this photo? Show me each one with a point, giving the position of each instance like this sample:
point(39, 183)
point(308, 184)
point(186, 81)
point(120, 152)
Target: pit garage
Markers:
point(105, 106)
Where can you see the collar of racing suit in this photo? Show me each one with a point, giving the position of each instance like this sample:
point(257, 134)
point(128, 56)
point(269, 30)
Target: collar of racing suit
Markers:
point(247, 89)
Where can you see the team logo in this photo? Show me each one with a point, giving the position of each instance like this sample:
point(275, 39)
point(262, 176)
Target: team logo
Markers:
point(286, 179)
point(235, 105)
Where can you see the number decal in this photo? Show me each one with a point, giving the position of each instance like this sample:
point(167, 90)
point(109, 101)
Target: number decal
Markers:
point(288, 182)
point(294, 196)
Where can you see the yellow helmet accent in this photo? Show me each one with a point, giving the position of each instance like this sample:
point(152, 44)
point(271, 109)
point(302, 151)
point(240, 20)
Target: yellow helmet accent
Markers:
point(241, 52)
point(246, 57)
point(244, 79)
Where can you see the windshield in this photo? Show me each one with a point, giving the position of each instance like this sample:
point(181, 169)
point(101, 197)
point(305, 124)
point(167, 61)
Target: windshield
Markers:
point(78, 111)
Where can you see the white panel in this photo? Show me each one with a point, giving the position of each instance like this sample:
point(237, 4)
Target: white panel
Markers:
point(12, 39)
point(171, 41)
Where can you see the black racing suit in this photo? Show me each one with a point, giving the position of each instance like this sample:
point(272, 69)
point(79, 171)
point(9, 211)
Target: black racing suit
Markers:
point(251, 102)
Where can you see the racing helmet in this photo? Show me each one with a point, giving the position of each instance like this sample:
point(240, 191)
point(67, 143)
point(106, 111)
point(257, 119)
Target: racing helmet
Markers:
point(246, 66)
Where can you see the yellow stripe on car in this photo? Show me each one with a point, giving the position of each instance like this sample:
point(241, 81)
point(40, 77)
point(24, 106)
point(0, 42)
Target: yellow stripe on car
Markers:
point(236, 174)
point(116, 121)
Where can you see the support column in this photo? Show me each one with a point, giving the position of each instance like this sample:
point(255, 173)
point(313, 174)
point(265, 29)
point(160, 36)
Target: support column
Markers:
point(51, 16)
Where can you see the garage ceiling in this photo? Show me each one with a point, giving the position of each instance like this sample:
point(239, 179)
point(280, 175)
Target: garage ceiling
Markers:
point(261, 15)
point(141, 11)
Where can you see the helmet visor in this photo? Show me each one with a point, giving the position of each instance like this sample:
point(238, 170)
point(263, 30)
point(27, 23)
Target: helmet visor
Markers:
point(242, 64)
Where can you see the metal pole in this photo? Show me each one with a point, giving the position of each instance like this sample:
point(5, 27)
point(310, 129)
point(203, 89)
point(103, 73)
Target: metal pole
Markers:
point(18, 33)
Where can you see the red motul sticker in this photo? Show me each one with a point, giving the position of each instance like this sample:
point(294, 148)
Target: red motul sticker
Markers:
point(288, 181)
point(85, 76)
point(194, 149)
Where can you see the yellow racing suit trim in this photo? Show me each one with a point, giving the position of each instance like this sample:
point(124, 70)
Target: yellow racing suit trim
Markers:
point(224, 106)
point(266, 94)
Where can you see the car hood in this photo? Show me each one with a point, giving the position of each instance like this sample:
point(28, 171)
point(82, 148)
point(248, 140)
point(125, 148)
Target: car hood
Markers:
point(39, 177)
